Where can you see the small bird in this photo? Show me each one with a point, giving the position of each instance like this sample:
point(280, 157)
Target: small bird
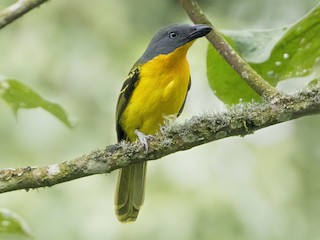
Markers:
point(157, 86)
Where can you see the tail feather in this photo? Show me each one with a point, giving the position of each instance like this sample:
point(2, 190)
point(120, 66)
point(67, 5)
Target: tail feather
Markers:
point(130, 191)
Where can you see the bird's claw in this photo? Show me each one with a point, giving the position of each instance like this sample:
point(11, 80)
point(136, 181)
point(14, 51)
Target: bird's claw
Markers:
point(143, 139)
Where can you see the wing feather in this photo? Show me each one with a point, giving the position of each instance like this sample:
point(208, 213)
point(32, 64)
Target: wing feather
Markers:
point(124, 98)
point(181, 109)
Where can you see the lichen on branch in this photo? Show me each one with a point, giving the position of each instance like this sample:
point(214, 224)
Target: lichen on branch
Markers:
point(239, 120)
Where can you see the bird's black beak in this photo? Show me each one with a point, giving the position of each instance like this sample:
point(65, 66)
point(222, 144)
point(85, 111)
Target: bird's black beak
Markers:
point(199, 30)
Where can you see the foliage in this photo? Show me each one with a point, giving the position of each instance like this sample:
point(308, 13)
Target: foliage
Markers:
point(276, 54)
point(19, 96)
point(12, 226)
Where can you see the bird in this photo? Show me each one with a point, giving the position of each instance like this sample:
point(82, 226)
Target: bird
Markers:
point(156, 87)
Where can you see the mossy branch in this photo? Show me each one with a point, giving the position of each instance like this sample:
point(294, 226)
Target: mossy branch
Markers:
point(248, 74)
point(17, 10)
point(240, 120)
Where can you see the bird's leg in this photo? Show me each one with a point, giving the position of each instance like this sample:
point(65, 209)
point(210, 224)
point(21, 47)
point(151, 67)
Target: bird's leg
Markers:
point(143, 138)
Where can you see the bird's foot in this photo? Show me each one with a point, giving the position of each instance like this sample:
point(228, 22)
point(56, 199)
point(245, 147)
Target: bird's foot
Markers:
point(143, 138)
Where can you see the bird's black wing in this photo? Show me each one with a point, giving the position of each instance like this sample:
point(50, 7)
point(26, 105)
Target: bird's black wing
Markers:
point(181, 109)
point(124, 98)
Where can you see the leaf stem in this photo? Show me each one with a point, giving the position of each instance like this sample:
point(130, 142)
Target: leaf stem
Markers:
point(248, 74)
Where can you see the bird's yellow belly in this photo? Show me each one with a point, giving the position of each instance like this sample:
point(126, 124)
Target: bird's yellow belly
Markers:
point(158, 94)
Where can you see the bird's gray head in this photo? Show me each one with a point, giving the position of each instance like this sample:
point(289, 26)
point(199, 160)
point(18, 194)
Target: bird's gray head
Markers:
point(172, 37)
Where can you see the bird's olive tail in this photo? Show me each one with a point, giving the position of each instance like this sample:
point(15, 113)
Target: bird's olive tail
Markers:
point(130, 192)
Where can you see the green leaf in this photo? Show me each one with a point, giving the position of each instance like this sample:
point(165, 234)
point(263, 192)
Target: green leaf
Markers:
point(12, 226)
point(314, 83)
point(18, 96)
point(225, 82)
point(276, 54)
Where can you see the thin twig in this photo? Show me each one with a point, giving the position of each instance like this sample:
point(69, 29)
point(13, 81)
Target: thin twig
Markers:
point(18, 9)
point(252, 78)
point(239, 120)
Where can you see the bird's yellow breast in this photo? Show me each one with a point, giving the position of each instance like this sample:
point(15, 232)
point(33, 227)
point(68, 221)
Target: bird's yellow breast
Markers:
point(161, 91)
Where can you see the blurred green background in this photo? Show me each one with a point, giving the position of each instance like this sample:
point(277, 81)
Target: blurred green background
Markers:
point(77, 53)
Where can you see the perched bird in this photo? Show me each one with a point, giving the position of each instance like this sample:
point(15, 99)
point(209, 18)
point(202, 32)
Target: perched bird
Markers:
point(156, 87)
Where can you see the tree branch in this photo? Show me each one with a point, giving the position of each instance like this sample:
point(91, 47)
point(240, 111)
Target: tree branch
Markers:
point(17, 10)
point(248, 74)
point(240, 120)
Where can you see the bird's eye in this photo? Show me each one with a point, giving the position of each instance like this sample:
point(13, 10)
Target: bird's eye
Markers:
point(173, 35)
